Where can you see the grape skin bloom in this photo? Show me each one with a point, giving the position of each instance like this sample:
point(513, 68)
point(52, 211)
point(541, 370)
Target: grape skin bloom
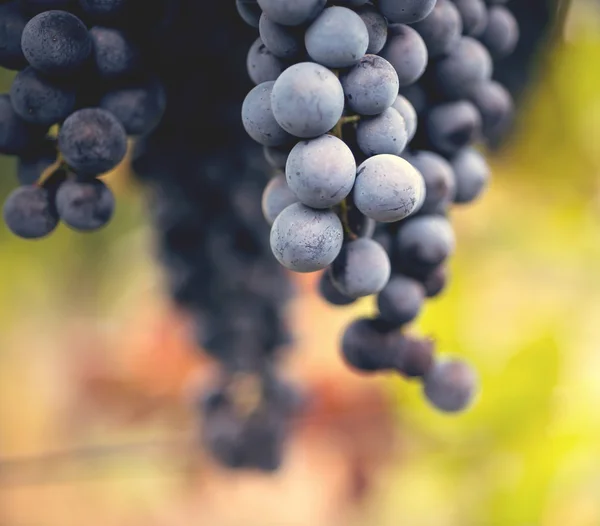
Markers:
point(338, 38)
point(388, 188)
point(307, 100)
point(306, 240)
point(371, 86)
point(321, 172)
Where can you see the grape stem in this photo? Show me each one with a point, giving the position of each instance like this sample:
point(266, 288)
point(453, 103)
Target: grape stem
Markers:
point(59, 166)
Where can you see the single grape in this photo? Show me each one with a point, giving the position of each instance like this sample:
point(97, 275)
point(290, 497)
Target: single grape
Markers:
point(306, 240)
point(450, 386)
point(276, 197)
point(294, 12)
point(495, 105)
point(415, 356)
point(369, 345)
point(422, 244)
point(283, 41)
point(138, 106)
point(407, 111)
point(467, 64)
point(261, 64)
point(361, 269)
point(29, 212)
point(16, 135)
point(406, 51)
point(474, 16)
point(501, 34)
point(440, 186)
point(258, 119)
point(115, 56)
point(39, 100)
point(377, 27)
point(401, 301)
point(387, 188)
point(441, 29)
point(435, 282)
point(85, 205)
point(471, 173)
point(371, 86)
point(382, 134)
point(92, 141)
point(331, 294)
point(56, 42)
point(307, 100)
point(452, 126)
point(338, 38)
point(406, 11)
point(250, 12)
point(321, 172)
point(12, 24)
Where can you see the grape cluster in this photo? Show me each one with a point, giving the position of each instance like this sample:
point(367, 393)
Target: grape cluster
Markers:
point(204, 179)
point(84, 84)
point(368, 113)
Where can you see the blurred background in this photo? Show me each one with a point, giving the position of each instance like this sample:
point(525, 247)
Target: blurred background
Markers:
point(97, 375)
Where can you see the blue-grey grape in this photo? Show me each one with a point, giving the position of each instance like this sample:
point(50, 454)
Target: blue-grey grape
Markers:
point(329, 292)
point(16, 135)
point(495, 105)
point(261, 64)
point(338, 38)
point(321, 172)
point(92, 141)
point(39, 100)
point(306, 240)
point(29, 212)
point(361, 269)
point(12, 23)
point(474, 16)
point(382, 134)
point(85, 205)
point(138, 106)
point(56, 42)
point(452, 126)
point(276, 197)
point(376, 25)
point(292, 12)
point(467, 64)
point(471, 174)
point(406, 11)
point(422, 244)
point(283, 41)
point(388, 188)
point(450, 385)
point(440, 186)
point(115, 55)
point(441, 29)
point(406, 51)
point(250, 12)
point(371, 86)
point(501, 34)
point(258, 119)
point(307, 100)
point(401, 301)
